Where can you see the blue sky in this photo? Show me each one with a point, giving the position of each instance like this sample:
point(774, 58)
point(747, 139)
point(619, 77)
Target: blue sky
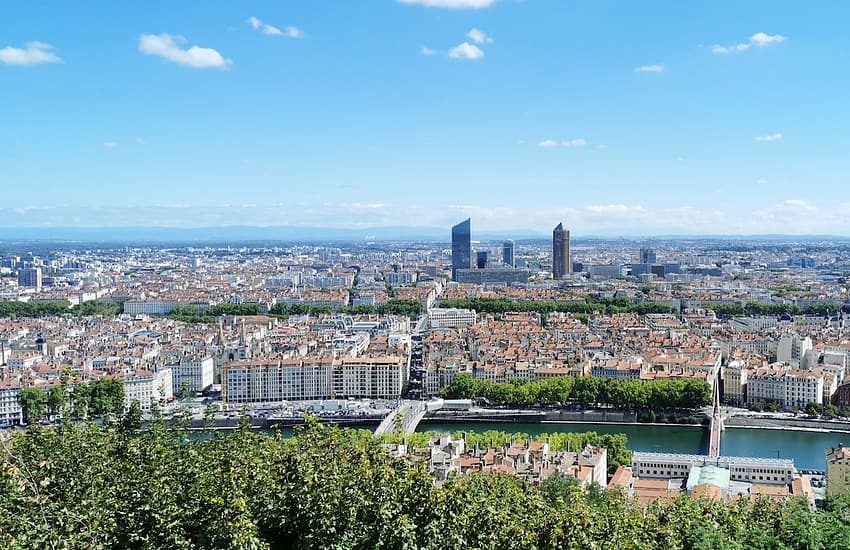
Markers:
point(616, 117)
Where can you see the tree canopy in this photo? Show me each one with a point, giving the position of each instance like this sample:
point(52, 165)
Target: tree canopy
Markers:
point(658, 395)
point(103, 487)
point(584, 306)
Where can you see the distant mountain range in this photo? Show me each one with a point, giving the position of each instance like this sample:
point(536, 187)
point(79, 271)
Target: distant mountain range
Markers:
point(329, 234)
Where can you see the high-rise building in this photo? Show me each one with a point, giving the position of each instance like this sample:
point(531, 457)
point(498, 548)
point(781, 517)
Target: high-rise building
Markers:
point(30, 276)
point(461, 247)
point(562, 265)
point(482, 259)
point(647, 256)
point(509, 253)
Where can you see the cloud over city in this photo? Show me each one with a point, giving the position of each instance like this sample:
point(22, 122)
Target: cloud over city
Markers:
point(33, 53)
point(169, 47)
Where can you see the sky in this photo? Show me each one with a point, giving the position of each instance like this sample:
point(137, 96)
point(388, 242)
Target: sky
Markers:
point(613, 117)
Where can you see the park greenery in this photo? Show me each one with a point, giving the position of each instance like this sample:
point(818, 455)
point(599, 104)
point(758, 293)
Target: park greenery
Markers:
point(726, 311)
point(97, 399)
point(584, 306)
point(196, 314)
point(14, 309)
point(410, 308)
point(83, 487)
point(585, 391)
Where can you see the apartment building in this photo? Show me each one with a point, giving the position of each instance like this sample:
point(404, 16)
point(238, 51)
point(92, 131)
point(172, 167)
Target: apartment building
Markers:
point(269, 381)
point(735, 382)
point(450, 318)
point(375, 377)
point(147, 387)
point(263, 380)
point(10, 403)
point(838, 471)
point(789, 388)
point(196, 373)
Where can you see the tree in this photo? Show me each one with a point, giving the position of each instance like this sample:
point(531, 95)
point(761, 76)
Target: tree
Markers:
point(133, 417)
point(185, 393)
point(33, 404)
point(57, 400)
point(813, 408)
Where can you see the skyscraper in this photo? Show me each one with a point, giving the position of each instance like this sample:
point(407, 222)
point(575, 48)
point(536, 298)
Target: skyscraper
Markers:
point(508, 253)
point(647, 255)
point(482, 259)
point(561, 263)
point(461, 248)
point(30, 277)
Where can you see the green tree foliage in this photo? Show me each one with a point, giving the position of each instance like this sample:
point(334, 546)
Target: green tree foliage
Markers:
point(48, 309)
point(197, 314)
point(605, 305)
point(96, 487)
point(97, 308)
point(100, 398)
point(33, 309)
point(658, 395)
point(33, 404)
point(726, 311)
point(133, 417)
point(411, 308)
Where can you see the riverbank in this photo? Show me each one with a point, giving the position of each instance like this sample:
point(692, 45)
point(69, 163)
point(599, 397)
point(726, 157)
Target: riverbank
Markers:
point(613, 417)
point(787, 423)
point(197, 424)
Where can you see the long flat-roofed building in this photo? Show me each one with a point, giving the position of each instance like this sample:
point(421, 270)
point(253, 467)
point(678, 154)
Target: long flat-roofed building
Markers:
point(376, 377)
point(764, 471)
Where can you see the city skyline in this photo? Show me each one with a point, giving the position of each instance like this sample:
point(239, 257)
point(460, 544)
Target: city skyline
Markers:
point(621, 119)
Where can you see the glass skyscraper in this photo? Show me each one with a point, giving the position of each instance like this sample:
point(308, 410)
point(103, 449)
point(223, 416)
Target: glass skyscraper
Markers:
point(508, 253)
point(561, 263)
point(461, 247)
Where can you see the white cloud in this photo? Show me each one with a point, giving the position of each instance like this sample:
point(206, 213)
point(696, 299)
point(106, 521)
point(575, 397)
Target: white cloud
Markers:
point(109, 144)
point(466, 51)
point(425, 50)
point(547, 143)
point(650, 69)
point(478, 36)
point(166, 46)
point(761, 181)
point(613, 210)
point(451, 4)
point(578, 142)
point(759, 40)
point(601, 146)
point(34, 53)
point(770, 137)
point(140, 141)
point(270, 30)
point(722, 50)
point(763, 39)
point(293, 32)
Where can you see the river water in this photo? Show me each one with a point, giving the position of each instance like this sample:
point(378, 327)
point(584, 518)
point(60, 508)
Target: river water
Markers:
point(806, 448)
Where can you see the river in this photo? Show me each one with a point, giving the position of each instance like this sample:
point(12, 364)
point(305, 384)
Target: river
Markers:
point(806, 448)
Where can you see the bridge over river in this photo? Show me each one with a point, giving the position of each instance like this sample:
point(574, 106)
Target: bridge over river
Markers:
point(404, 418)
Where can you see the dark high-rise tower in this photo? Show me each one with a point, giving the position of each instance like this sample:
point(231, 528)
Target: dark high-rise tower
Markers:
point(508, 253)
point(561, 262)
point(461, 248)
point(648, 256)
point(482, 259)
